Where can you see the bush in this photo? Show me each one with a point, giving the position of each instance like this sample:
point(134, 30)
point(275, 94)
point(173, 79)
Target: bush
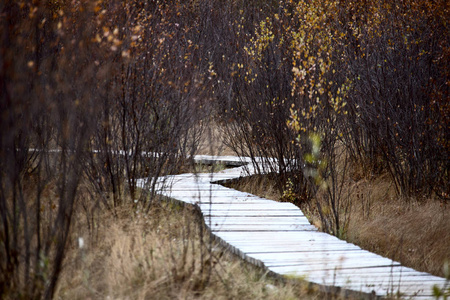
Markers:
point(110, 91)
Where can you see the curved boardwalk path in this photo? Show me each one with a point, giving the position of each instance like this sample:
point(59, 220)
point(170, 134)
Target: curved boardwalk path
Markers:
point(277, 236)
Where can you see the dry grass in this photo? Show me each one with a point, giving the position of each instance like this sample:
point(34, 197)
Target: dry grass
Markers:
point(261, 185)
point(165, 254)
point(415, 232)
point(211, 142)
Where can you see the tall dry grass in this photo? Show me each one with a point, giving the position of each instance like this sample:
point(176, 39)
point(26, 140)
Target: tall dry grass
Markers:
point(414, 231)
point(211, 140)
point(166, 254)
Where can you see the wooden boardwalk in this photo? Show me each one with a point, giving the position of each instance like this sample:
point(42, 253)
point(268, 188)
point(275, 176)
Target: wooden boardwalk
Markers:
point(277, 236)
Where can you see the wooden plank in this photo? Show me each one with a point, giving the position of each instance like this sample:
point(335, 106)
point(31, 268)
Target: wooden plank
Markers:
point(305, 266)
point(297, 220)
point(254, 213)
point(250, 247)
point(261, 228)
point(334, 256)
point(233, 200)
point(376, 276)
point(323, 262)
point(245, 206)
point(203, 194)
point(282, 237)
point(267, 244)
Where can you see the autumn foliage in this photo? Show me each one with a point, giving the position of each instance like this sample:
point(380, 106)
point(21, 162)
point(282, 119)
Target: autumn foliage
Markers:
point(111, 91)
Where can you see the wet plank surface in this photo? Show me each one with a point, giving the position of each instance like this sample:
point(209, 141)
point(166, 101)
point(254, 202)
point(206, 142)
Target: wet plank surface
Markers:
point(277, 236)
